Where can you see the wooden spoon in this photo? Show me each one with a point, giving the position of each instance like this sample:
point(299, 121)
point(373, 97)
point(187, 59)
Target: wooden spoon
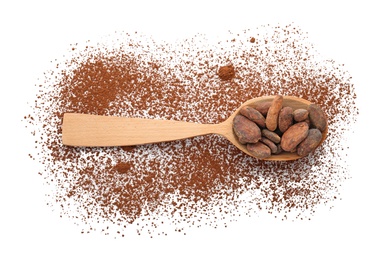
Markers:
point(97, 131)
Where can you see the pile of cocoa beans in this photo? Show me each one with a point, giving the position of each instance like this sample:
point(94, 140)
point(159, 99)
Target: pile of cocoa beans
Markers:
point(269, 128)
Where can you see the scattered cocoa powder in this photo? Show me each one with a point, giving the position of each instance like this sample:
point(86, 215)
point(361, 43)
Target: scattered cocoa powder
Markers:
point(193, 182)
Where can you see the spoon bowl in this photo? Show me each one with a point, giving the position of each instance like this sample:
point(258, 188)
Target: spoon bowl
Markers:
point(100, 131)
point(290, 101)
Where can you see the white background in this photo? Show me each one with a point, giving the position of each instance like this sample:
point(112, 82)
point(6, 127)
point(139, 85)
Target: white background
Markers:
point(35, 32)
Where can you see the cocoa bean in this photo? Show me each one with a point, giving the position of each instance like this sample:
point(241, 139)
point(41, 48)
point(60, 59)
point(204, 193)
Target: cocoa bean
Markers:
point(259, 150)
point(285, 119)
point(273, 113)
point(273, 147)
point(293, 136)
point(271, 135)
point(254, 115)
point(246, 130)
point(263, 107)
point(300, 114)
point(310, 143)
point(317, 117)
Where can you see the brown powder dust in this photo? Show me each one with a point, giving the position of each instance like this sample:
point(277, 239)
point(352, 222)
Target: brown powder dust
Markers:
point(193, 182)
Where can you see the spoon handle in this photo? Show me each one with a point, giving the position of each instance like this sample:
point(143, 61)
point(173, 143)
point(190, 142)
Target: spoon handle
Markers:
point(94, 130)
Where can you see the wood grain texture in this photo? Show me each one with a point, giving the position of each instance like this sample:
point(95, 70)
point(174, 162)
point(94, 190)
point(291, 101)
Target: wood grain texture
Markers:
point(94, 130)
point(98, 131)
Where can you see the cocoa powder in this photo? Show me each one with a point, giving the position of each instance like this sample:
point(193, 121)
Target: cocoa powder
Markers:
point(193, 182)
point(226, 72)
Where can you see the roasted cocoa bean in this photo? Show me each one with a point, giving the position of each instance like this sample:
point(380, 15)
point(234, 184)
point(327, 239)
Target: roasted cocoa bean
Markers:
point(271, 135)
point(317, 117)
point(263, 107)
point(310, 143)
point(293, 136)
point(285, 119)
point(273, 147)
point(300, 114)
point(259, 150)
point(246, 130)
point(254, 115)
point(273, 113)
